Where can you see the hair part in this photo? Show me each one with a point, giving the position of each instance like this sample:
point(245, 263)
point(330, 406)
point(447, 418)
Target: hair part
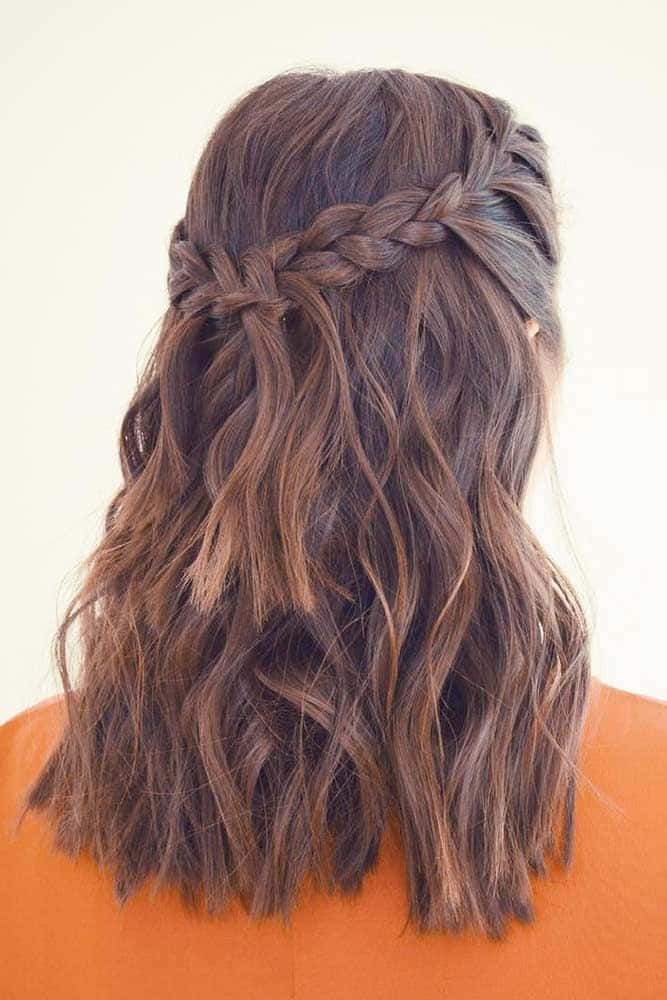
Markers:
point(316, 604)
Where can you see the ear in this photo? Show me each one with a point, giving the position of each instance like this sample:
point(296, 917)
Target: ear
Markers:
point(532, 326)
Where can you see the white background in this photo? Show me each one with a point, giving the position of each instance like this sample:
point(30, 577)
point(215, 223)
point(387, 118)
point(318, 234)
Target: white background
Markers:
point(107, 108)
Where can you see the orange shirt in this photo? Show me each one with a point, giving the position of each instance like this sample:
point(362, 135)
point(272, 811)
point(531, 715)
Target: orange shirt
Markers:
point(600, 931)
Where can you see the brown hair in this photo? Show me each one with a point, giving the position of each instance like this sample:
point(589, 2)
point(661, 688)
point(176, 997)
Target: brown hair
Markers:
point(316, 604)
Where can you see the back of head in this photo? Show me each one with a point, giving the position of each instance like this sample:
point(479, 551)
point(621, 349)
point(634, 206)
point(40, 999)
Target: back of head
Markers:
point(317, 604)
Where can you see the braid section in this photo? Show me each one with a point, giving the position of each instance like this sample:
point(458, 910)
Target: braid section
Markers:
point(342, 244)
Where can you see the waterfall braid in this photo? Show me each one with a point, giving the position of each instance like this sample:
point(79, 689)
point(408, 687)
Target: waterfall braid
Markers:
point(317, 607)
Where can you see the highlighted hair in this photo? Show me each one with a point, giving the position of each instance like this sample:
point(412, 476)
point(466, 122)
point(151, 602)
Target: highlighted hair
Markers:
point(317, 604)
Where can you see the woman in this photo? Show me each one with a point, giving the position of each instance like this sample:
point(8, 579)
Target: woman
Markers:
point(335, 715)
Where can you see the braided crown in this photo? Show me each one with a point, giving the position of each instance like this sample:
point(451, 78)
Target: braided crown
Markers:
point(343, 242)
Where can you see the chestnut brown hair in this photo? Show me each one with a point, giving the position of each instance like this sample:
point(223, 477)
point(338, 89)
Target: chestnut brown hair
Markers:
point(317, 606)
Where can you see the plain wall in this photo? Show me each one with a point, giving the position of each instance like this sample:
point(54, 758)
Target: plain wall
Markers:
point(107, 108)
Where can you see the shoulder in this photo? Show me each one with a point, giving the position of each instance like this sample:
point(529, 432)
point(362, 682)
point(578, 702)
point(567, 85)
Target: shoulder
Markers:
point(628, 730)
point(622, 815)
point(623, 759)
point(26, 739)
point(630, 705)
point(42, 721)
point(43, 714)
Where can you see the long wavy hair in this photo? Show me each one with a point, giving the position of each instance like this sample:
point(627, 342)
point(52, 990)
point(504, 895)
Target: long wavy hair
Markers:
point(317, 607)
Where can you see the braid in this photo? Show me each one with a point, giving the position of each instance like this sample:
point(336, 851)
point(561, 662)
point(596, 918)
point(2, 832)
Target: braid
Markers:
point(341, 244)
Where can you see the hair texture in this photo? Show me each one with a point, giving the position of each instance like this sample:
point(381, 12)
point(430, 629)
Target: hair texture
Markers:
point(317, 607)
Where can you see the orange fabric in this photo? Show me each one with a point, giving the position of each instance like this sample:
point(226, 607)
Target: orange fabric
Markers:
point(600, 931)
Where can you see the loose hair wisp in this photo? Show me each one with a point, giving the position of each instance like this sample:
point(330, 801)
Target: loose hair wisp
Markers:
point(316, 604)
